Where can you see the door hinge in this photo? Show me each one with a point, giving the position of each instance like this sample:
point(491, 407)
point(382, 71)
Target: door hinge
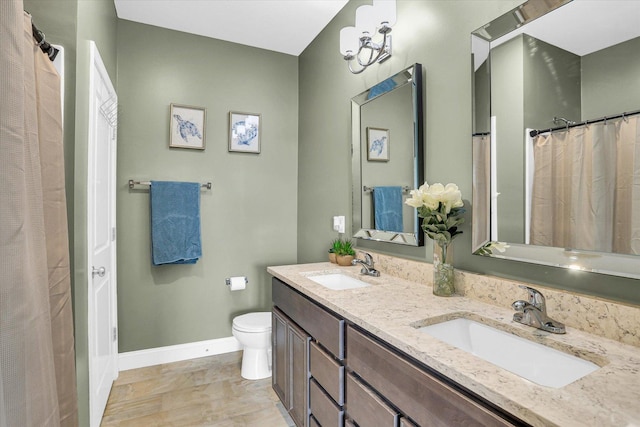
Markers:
point(115, 333)
point(113, 234)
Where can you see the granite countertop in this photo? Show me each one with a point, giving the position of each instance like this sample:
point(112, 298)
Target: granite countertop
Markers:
point(392, 307)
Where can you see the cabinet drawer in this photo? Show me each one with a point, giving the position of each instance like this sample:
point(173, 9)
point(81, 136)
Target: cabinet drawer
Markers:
point(418, 394)
point(322, 407)
point(366, 408)
point(319, 323)
point(327, 372)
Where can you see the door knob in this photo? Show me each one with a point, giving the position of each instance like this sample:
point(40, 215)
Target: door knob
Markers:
point(99, 271)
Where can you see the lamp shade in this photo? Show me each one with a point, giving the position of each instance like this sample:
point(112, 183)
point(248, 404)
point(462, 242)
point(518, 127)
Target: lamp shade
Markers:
point(386, 10)
point(367, 19)
point(349, 40)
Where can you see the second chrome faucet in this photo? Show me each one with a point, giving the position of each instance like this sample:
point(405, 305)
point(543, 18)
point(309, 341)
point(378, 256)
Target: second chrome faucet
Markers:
point(534, 313)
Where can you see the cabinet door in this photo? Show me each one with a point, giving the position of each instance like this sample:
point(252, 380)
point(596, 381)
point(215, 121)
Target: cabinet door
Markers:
point(279, 373)
point(298, 360)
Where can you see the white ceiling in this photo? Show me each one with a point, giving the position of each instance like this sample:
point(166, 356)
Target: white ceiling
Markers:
point(585, 26)
point(286, 26)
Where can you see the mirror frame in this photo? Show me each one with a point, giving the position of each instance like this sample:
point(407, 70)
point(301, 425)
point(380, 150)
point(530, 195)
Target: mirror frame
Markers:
point(411, 75)
point(596, 262)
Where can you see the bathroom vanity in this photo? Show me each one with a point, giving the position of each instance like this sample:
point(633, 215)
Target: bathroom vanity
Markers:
point(356, 356)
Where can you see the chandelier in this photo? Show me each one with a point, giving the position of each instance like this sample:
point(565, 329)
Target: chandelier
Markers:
point(363, 44)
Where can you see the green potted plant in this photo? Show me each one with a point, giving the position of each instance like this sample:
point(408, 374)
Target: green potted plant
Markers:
point(336, 244)
point(345, 253)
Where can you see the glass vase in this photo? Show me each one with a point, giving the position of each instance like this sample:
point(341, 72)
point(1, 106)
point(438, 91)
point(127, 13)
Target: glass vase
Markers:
point(443, 273)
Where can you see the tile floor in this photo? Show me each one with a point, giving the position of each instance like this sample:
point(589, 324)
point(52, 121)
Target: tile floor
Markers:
point(201, 392)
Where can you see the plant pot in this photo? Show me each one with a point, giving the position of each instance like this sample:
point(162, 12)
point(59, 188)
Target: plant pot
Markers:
point(332, 258)
point(344, 260)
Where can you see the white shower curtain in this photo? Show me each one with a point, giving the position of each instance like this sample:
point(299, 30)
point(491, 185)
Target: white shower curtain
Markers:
point(481, 190)
point(586, 187)
point(37, 361)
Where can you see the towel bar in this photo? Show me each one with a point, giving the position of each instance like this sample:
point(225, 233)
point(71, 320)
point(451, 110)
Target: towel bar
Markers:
point(133, 183)
point(366, 189)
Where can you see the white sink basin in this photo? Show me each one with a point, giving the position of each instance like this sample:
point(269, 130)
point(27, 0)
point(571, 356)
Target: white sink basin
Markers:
point(338, 281)
point(536, 362)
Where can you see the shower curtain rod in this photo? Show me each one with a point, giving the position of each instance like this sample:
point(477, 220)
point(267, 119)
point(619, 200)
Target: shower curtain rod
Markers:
point(38, 35)
point(586, 122)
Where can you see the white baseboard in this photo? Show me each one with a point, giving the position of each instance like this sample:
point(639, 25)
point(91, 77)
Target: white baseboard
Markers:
point(176, 353)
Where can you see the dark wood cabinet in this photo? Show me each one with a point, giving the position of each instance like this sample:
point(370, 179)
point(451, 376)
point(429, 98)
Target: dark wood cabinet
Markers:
point(308, 349)
point(298, 365)
point(290, 366)
point(366, 383)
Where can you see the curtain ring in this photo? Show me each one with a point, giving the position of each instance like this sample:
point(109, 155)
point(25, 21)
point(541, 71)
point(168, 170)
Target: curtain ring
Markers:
point(42, 38)
point(625, 118)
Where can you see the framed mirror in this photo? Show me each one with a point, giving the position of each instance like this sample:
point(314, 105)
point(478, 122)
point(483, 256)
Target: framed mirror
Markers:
point(556, 135)
point(388, 158)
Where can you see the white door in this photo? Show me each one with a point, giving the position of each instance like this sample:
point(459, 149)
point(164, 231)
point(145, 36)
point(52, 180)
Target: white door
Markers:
point(102, 313)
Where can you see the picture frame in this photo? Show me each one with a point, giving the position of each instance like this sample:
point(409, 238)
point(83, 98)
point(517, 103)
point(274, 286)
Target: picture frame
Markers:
point(244, 132)
point(187, 129)
point(377, 144)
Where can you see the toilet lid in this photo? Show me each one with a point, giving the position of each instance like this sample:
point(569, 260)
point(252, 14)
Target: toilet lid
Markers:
point(253, 322)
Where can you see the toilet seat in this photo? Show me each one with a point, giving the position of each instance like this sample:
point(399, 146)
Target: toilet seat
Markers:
point(253, 322)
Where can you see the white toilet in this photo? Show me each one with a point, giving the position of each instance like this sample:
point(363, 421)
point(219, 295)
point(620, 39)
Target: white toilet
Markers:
point(253, 331)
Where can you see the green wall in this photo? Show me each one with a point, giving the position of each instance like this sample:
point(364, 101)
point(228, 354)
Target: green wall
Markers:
point(611, 80)
point(436, 34)
point(248, 217)
point(507, 105)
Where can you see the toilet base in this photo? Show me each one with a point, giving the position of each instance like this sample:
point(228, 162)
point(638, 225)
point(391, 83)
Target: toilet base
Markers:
point(256, 364)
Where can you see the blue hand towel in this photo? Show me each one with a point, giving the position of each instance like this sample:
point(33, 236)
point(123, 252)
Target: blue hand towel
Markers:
point(175, 222)
point(387, 206)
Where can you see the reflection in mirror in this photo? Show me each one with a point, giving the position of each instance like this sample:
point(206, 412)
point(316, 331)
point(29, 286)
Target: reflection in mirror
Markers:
point(388, 158)
point(556, 142)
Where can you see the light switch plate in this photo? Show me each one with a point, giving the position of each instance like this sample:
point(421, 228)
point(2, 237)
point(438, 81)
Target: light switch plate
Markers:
point(339, 223)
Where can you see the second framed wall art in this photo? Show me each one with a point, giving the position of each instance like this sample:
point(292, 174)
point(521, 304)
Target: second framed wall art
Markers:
point(244, 132)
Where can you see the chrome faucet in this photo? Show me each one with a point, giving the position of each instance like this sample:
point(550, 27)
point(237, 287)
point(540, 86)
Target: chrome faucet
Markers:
point(534, 313)
point(367, 265)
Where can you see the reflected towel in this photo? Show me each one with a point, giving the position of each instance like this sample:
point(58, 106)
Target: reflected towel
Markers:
point(387, 206)
point(175, 222)
point(382, 87)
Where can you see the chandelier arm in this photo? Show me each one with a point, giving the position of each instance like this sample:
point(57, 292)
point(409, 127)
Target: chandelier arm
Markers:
point(370, 60)
point(355, 71)
point(372, 47)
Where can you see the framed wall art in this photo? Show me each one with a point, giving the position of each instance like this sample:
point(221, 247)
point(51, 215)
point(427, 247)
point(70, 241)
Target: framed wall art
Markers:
point(377, 145)
point(244, 132)
point(187, 127)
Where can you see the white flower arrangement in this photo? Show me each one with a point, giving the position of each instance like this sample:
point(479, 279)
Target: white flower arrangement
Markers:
point(441, 208)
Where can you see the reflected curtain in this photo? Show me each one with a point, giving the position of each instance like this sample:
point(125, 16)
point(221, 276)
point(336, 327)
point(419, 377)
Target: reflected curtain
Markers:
point(37, 361)
point(586, 187)
point(481, 190)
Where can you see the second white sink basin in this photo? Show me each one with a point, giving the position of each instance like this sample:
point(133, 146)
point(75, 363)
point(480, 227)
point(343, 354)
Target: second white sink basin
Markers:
point(338, 281)
point(536, 362)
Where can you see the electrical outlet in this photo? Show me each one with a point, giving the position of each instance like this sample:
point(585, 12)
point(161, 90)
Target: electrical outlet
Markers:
point(339, 223)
